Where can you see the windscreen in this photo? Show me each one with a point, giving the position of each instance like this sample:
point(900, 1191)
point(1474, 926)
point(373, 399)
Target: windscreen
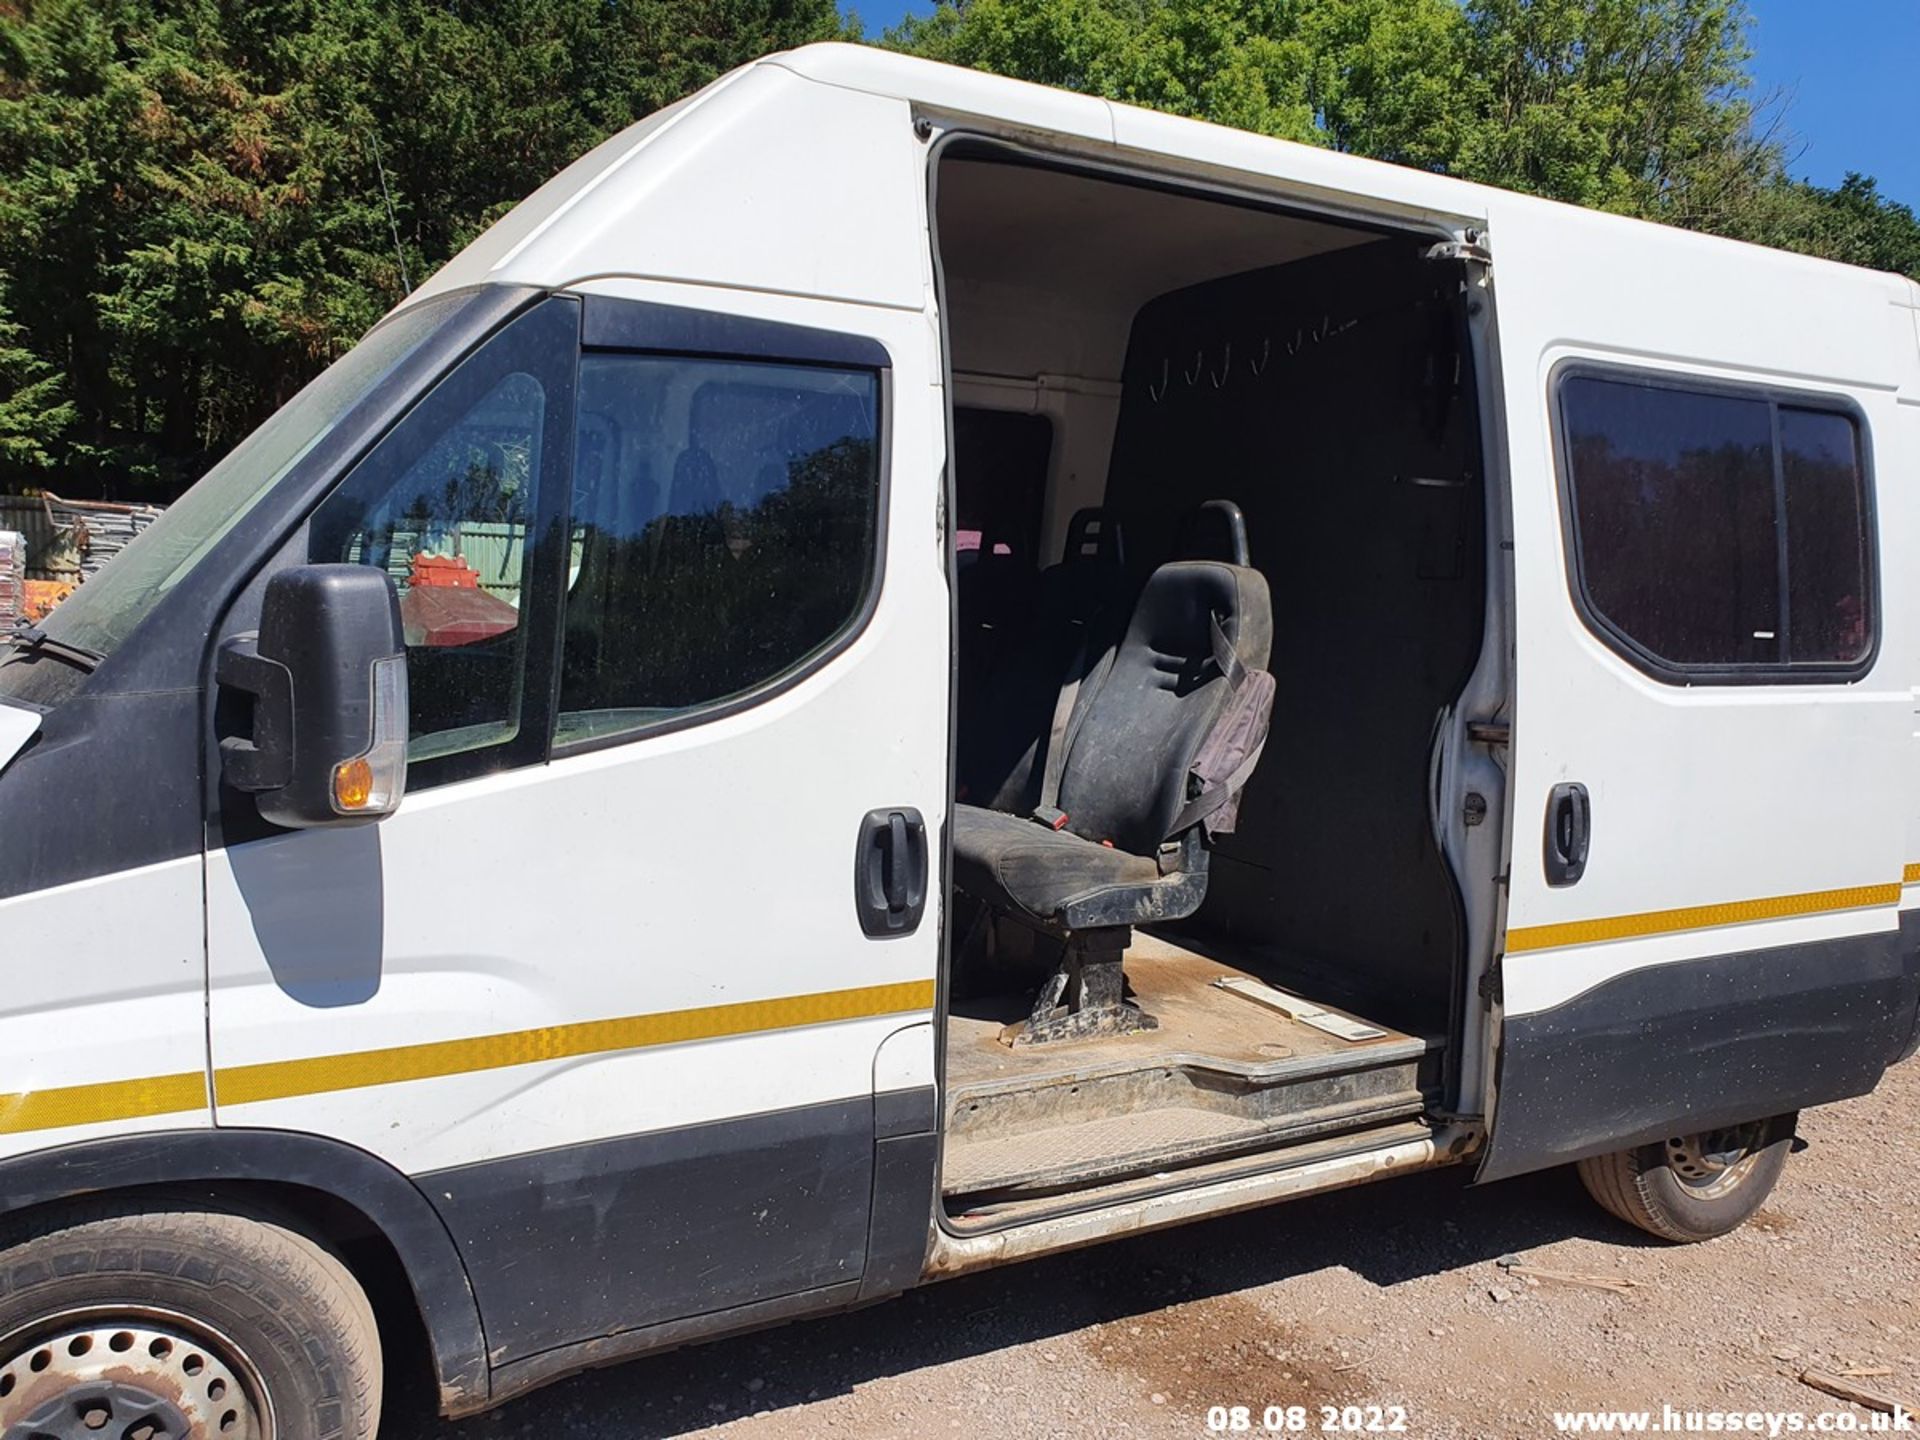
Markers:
point(103, 612)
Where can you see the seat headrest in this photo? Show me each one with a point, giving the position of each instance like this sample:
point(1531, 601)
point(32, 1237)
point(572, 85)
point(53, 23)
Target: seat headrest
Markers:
point(1094, 536)
point(1175, 611)
point(1216, 530)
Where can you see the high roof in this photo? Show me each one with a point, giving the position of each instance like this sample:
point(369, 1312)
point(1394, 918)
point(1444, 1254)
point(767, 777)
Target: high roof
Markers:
point(951, 90)
point(801, 174)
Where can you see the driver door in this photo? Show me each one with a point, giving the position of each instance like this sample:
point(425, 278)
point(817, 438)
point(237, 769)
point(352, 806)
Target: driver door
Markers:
point(677, 631)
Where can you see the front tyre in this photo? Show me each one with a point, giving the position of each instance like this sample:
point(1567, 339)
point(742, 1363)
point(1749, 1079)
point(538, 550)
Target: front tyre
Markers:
point(162, 1322)
point(1692, 1187)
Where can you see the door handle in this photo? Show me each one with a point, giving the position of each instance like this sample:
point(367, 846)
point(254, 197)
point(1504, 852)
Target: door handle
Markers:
point(890, 872)
point(1569, 829)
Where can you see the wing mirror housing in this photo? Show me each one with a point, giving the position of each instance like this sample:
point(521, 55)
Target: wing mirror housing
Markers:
point(327, 671)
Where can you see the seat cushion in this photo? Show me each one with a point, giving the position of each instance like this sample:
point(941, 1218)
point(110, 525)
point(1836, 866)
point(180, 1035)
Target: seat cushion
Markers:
point(1056, 878)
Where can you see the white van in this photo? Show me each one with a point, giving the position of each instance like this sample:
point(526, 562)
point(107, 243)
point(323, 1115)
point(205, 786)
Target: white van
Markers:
point(812, 571)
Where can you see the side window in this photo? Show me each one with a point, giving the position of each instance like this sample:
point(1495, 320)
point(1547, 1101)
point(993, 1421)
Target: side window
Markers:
point(447, 505)
point(1717, 533)
point(725, 531)
point(1827, 555)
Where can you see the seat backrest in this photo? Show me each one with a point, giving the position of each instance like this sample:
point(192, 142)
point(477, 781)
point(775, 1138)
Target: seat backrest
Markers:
point(1057, 628)
point(1134, 740)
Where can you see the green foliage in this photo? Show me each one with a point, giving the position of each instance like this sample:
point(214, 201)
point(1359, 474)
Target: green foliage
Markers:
point(1852, 223)
point(194, 193)
point(1638, 106)
point(192, 217)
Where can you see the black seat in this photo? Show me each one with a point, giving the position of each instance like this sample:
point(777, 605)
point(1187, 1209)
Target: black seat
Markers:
point(1120, 842)
point(1021, 640)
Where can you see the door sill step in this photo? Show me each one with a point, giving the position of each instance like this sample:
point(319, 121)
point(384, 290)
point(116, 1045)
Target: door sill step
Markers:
point(1241, 1180)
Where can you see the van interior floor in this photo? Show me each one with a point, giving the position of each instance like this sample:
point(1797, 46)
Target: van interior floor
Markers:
point(1233, 1068)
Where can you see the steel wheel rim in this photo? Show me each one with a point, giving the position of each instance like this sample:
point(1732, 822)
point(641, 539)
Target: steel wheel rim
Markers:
point(1713, 1163)
point(119, 1372)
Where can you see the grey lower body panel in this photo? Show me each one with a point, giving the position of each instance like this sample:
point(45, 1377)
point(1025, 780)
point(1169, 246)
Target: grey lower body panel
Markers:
point(1696, 1044)
point(641, 1234)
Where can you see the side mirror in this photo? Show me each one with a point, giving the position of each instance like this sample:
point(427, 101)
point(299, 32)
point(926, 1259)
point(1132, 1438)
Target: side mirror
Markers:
point(328, 674)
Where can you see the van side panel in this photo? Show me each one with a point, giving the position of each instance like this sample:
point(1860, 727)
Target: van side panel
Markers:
point(1735, 947)
point(764, 181)
point(103, 1016)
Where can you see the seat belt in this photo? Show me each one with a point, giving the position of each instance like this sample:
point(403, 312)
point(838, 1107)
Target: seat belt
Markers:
point(1059, 738)
point(1237, 676)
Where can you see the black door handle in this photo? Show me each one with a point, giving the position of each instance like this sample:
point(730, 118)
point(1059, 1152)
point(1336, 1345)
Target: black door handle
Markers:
point(890, 872)
point(1569, 829)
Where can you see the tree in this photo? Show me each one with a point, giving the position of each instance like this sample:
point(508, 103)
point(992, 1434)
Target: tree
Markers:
point(194, 194)
point(34, 411)
point(1643, 107)
point(1852, 222)
point(1637, 106)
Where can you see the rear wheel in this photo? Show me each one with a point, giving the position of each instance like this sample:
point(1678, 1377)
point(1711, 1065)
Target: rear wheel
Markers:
point(162, 1323)
point(1692, 1187)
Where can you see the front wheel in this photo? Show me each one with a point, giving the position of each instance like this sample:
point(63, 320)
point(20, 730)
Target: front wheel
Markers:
point(1692, 1187)
point(156, 1323)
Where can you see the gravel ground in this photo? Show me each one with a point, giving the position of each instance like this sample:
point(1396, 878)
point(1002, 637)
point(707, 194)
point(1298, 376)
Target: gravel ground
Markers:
point(1388, 1295)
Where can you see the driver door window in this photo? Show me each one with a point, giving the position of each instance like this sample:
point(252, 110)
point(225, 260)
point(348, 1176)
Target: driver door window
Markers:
point(725, 534)
point(449, 505)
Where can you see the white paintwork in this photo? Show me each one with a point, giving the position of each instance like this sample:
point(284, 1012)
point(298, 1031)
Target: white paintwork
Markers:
point(1710, 794)
point(953, 92)
point(1541, 981)
point(709, 866)
point(905, 1060)
point(731, 191)
point(17, 727)
point(69, 981)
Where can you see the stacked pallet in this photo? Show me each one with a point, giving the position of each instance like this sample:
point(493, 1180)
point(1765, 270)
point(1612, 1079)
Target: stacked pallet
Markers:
point(98, 529)
point(13, 577)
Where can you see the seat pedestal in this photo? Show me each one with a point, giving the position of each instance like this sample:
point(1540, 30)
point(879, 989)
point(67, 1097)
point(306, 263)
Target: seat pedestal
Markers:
point(1086, 995)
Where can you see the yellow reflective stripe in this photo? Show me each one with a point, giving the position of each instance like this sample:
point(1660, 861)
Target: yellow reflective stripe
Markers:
point(91, 1104)
point(1698, 917)
point(284, 1079)
point(1911, 875)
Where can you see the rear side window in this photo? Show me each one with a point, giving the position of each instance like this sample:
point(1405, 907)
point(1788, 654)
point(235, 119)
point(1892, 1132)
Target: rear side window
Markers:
point(1717, 534)
point(726, 517)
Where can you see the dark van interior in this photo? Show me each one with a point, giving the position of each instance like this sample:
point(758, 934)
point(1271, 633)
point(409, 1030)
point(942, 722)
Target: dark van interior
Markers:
point(1218, 502)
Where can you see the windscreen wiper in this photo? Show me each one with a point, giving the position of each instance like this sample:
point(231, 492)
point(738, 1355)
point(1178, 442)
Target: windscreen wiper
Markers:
point(29, 636)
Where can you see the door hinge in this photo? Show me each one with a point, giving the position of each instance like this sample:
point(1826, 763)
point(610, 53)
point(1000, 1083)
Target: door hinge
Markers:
point(1489, 986)
point(1489, 732)
point(1469, 248)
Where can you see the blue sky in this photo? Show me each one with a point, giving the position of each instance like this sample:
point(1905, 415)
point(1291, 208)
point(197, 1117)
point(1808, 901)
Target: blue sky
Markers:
point(1849, 71)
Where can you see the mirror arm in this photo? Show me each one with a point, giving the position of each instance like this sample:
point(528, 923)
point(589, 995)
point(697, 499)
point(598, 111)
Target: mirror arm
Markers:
point(264, 762)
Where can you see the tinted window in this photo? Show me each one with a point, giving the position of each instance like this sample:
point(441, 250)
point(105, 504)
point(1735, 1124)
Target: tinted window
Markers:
point(1827, 536)
point(445, 504)
point(725, 517)
point(1716, 530)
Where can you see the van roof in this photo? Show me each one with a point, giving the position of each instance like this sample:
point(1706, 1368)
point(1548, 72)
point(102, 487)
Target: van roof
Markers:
point(737, 168)
point(939, 88)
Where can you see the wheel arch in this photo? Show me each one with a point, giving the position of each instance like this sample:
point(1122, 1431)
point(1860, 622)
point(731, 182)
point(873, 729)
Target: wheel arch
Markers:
point(319, 1181)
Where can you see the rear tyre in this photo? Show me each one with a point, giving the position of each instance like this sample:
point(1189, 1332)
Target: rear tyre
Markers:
point(161, 1320)
point(1692, 1187)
